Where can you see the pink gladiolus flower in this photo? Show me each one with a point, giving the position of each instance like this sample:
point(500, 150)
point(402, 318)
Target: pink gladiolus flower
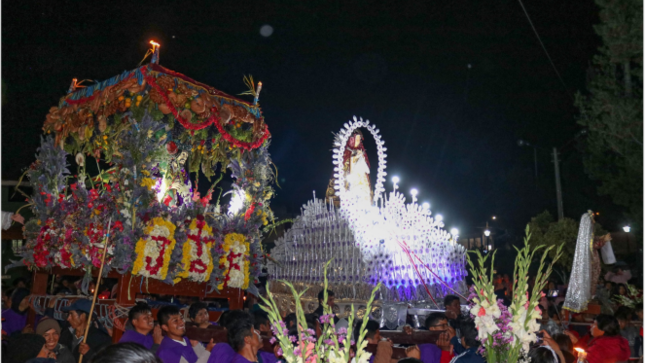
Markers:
point(481, 312)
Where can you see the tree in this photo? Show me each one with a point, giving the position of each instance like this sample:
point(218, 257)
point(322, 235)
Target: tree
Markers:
point(545, 230)
point(612, 109)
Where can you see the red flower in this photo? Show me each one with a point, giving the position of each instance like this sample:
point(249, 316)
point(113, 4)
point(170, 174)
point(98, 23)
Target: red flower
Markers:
point(171, 147)
point(481, 312)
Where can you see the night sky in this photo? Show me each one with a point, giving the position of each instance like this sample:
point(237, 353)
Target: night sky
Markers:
point(451, 131)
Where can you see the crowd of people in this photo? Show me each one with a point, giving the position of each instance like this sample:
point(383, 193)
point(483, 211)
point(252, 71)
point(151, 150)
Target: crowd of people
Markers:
point(605, 338)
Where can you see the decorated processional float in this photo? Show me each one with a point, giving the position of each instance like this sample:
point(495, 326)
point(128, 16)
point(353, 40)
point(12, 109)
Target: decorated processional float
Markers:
point(146, 131)
point(370, 236)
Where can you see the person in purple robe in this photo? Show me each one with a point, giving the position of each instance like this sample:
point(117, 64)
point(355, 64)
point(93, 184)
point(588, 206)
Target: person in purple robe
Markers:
point(15, 318)
point(198, 314)
point(245, 340)
point(140, 317)
point(175, 347)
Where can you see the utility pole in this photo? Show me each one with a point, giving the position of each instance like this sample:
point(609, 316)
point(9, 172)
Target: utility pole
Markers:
point(558, 186)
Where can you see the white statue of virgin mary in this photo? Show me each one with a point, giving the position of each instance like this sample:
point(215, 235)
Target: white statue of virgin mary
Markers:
point(579, 290)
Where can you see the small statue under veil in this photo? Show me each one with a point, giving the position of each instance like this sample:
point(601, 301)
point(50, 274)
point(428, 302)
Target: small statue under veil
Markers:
point(586, 266)
point(356, 166)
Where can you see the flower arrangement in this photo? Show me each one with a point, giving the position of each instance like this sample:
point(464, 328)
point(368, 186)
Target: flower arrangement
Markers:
point(335, 346)
point(153, 251)
point(235, 261)
point(197, 262)
point(147, 130)
point(506, 334)
point(633, 297)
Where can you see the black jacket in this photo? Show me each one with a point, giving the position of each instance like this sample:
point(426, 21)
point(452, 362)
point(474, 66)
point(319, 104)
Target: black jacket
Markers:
point(96, 339)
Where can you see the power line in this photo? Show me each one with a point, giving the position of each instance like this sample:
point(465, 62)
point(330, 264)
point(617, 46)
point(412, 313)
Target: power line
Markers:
point(545, 51)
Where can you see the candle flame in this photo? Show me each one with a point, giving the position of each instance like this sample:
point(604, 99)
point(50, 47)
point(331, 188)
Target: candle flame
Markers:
point(580, 350)
point(154, 44)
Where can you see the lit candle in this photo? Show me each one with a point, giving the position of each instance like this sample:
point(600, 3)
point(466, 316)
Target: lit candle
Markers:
point(582, 355)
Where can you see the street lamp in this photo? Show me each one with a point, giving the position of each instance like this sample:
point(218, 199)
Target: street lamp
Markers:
point(627, 229)
point(487, 233)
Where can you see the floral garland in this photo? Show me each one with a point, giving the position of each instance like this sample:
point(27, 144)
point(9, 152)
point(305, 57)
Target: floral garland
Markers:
point(213, 119)
point(151, 81)
point(197, 262)
point(235, 261)
point(153, 252)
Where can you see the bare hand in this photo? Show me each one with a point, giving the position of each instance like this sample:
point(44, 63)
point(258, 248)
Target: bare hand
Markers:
point(157, 337)
point(27, 329)
point(413, 352)
point(83, 348)
point(44, 352)
point(18, 218)
point(210, 345)
point(451, 332)
point(194, 343)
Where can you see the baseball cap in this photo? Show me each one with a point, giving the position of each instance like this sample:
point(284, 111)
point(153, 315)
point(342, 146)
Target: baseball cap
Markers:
point(79, 305)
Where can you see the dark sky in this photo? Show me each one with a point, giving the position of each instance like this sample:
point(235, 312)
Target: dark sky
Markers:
point(451, 132)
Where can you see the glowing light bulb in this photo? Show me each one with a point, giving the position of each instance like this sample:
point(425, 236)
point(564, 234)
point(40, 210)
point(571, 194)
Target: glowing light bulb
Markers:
point(487, 233)
point(439, 218)
point(395, 179)
point(426, 205)
point(454, 232)
point(627, 229)
point(414, 192)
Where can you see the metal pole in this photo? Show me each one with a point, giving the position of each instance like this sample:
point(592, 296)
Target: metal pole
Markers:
point(536, 169)
point(558, 186)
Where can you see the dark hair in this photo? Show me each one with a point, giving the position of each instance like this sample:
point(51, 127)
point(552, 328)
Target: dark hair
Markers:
point(237, 332)
point(608, 324)
point(449, 299)
point(371, 328)
point(312, 321)
point(321, 294)
point(564, 342)
point(125, 352)
point(223, 318)
point(16, 298)
point(617, 288)
point(140, 308)
point(19, 280)
point(542, 355)
point(195, 308)
point(469, 333)
point(409, 360)
point(260, 318)
point(166, 312)
point(553, 311)
point(435, 318)
point(638, 307)
point(290, 318)
point(236, 317)
point(23, 347)
point(623, 313)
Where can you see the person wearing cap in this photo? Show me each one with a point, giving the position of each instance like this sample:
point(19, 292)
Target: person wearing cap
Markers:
point(78, 318)
point(50, 330)
point(140, 317)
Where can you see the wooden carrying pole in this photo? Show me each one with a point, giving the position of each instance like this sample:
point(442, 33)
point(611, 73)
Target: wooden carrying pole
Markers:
point(96, 288)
